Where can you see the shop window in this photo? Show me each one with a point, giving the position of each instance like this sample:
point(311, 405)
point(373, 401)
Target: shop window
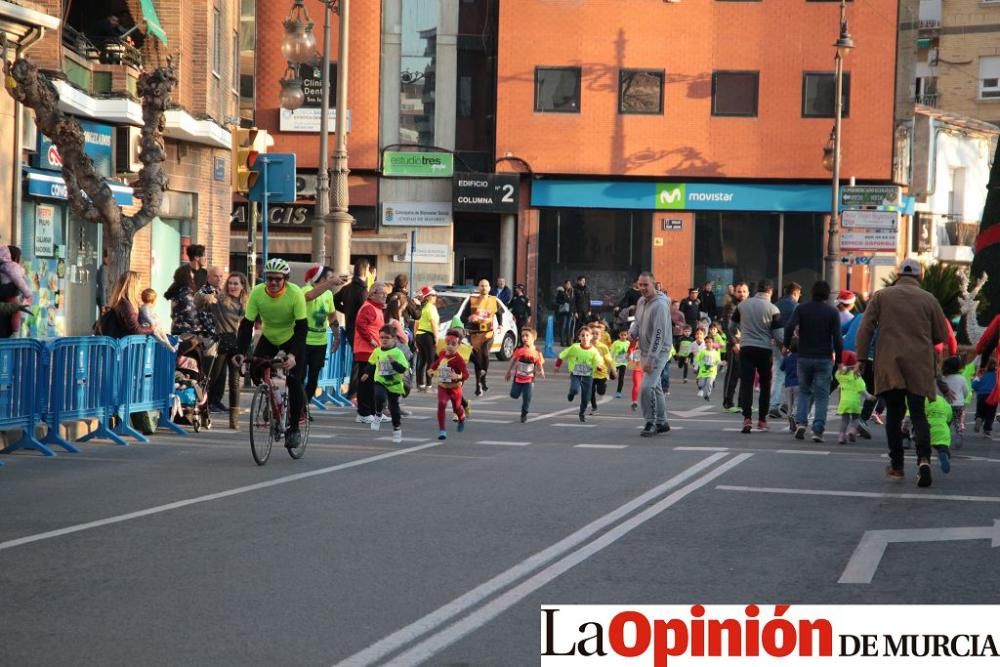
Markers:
point(640, 91)
point(818, 92)
point(557, 89)
point(734, 93)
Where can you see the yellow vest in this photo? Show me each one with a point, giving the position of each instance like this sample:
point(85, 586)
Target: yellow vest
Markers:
point(485, 307)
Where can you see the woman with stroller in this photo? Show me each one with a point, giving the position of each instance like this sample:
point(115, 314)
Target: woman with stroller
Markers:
point(227, 309)
point(183, 311)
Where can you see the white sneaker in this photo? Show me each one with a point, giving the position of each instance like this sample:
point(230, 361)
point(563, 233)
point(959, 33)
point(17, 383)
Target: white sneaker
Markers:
point(375, 424)
point(701, 393)
point(397, 435)
point(385, 418)
point(358, 419)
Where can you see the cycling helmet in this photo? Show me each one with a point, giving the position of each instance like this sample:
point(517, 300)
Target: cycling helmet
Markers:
point(277, 265)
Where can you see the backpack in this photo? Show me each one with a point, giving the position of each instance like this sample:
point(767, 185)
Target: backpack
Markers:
point(110, 324)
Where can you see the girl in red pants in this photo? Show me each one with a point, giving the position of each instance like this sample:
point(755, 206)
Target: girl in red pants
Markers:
point(635, 365)
point(451, 372)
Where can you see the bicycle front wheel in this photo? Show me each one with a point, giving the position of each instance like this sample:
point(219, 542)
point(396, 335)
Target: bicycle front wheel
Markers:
point(261, 434)
point(297, 452)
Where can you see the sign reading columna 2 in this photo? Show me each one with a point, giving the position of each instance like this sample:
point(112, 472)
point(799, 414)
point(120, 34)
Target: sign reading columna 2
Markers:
point(485, 193)
point(418, 164)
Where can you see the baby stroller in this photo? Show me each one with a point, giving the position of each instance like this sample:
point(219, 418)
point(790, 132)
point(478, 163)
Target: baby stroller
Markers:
point(191, 385)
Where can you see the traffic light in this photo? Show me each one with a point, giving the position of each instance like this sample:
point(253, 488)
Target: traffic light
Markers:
point(244, 157)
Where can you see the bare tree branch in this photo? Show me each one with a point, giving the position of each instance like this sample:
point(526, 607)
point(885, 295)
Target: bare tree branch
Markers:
point(154, 88)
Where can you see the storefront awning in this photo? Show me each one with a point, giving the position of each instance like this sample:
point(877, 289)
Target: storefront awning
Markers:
point(153, 26)
point(50, 185)
point(301, 244)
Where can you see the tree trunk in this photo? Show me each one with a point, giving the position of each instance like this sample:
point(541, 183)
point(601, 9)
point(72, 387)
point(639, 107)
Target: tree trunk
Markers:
point(89, 196)
point(987, 259)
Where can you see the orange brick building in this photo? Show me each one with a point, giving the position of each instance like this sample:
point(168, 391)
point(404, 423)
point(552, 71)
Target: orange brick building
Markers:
point(685, 136)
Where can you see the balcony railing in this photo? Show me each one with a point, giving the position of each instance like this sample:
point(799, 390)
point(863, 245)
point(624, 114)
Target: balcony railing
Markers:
point(111, 52)
point(930, 99)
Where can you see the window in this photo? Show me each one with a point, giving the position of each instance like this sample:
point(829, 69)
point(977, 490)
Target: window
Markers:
point(989, 78)
point(640, 91)
point(217, 42)
point(418, 72)
point(734, 93)
point(818, 92)
point(557, 89)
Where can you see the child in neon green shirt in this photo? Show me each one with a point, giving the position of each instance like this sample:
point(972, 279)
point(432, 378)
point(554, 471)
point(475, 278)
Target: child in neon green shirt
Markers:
point(390, 365)
point(583, 359)
point(707, 363)
point(619, 357)
point(852, 393)
point(939, 415)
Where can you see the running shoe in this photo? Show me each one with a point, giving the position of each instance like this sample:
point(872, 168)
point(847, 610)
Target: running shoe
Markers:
point(893, 474)
point(397, 435)
point(817, 436)
point(747, 425)
point(923, 473)
point(442, 435)
point(461, 426)
point(649, 430)
point(800, 432)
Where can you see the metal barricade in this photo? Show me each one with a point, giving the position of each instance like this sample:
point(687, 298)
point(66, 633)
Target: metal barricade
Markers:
point(21, 363)
point(333, 375)
point(145, 383)
point(82, 383)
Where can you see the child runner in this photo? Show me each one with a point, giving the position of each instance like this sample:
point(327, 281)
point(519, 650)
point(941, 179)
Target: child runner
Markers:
point(852, 391)
point(983, 385)
point(583, 359)
point(601, 374)
point(707, 362)
point(451, 373)
point(697, 346)
point(939, 415)
point(390, 365)
point(525, 364)
point(715, 334)
point(684, 355)
point(635, 365)
point(619, 356)
point(790, 367)
point(958, 391)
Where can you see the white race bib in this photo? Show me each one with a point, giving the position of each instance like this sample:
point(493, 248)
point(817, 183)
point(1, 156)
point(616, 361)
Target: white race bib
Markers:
point(525, 368)
point(621, 359)
point(582, 369)
point(445, 374)
point(385, 367)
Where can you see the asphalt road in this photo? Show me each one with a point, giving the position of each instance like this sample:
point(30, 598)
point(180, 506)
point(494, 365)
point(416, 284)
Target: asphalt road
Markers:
point(182, 551)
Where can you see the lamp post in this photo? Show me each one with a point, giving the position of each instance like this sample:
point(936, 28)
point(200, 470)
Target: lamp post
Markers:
point(296, 45)
point(831, 153)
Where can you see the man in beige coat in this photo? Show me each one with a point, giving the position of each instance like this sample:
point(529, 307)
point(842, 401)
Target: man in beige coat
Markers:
point(909, 322)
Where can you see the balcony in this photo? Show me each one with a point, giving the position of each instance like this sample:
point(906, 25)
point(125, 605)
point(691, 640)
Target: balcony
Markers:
point(929, 99)
point(112, 68)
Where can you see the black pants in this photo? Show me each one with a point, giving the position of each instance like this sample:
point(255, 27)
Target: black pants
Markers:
point(870, 404)
point(315, 359)
point(600, 387)
point(425, 355)
point(986, 412)
point(481, 344)
point(732, 377)
point(896, 402)
point(621, 378)
point(217, 385)
point(296, 397)
point(755, 360)
point(682, 363)
point(383, 396)
point(366, 388)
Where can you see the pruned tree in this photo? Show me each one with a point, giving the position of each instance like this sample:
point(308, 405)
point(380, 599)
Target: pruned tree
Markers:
point(89, 196)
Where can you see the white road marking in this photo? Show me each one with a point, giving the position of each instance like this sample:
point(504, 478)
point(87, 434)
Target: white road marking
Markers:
point(159, 509)
point(601, 446)
point(701, 449)
point(811, 452)
point(406, 636)
point(480, 420)
point(507, 443)
point(575, 425)
point(862, 494)
point(322, 436)
point(429, 647)
point(557, 413)
point(388, 438)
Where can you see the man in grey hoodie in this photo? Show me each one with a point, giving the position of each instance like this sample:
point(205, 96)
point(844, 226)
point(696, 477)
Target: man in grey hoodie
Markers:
point(652, 328)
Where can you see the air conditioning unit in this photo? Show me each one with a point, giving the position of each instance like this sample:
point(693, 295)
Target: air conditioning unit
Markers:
point(127, 150)
point(305, 185)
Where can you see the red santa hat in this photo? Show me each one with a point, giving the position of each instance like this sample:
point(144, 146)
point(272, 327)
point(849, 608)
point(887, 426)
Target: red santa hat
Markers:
point(848, 358)
point(845, 297)
point(313, 273)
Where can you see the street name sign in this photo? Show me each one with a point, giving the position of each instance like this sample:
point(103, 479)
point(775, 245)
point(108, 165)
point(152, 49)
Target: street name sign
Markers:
point(854, 196)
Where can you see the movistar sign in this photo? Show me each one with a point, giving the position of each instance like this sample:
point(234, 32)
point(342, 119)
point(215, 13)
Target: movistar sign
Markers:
point(670, 195)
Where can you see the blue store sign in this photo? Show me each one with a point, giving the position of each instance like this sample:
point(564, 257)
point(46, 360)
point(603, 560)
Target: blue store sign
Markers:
point(97, 144)
point(51, 186)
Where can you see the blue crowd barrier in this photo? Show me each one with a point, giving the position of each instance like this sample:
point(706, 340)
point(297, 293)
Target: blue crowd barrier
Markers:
point(336, 372)
point(550, 338)
point(20, 371)
point(145, 383)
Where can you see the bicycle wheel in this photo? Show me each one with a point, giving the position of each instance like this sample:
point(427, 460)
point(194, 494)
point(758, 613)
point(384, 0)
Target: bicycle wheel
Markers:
point(261, 436)
point(297, 452)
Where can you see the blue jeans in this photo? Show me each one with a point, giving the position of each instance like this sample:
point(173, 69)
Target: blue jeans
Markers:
point(582, 384)
point(778, 383)
point(815, 376)
point(665, 378)
point(522, 390)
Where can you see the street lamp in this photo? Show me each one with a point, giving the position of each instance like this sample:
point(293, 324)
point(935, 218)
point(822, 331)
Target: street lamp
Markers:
point(831, 153)
point(299, 46)
point(292, 94)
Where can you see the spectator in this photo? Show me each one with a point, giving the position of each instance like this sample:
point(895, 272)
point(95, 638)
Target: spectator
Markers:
point(348, 301)
point(12, 273)
point(707, 299)
point(786, 306)
point(370, 319)
point(910, 322)
point(819, 348)
point(740, 292)
point(122, 317)
point(630, 298)
point(651, 329)
point(196, 263)
point(691, 309)
point(581, 301)
point(760, 325)
point(520, 308)
point(228, 310)
point(677, 319)
point(502, 292)
point(409, 309)
point(845, 304)
point(564, 313)
point(183, 310)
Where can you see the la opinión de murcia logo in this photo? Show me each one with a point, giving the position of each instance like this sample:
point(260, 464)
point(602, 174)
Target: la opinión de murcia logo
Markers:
point(606, 635)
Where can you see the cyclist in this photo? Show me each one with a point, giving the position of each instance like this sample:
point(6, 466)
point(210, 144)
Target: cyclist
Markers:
point(281, 307)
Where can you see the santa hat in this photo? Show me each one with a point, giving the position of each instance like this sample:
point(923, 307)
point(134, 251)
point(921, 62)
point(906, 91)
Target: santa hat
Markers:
point(845, 297)
point(427, 291)
point(313, 273)
point(848, 358)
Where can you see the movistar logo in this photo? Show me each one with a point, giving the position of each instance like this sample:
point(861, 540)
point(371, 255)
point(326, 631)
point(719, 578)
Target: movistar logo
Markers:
point(670, 195)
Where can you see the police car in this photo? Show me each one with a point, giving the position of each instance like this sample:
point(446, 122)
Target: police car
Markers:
point(451, 301)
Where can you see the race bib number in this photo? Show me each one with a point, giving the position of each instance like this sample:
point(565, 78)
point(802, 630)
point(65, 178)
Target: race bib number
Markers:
point(582, 369)
point(621, 359)
point(445, 374)
point(385, 368)
point(526, 369)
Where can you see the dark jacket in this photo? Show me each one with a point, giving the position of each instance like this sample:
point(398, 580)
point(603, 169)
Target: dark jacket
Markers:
point(818, 324)
point(632, 296)
point(691, 310)
point(708, 304)
point(520, 307)
point(503, 295)
point(786, 305)
point(581, 302)
point(348, 300)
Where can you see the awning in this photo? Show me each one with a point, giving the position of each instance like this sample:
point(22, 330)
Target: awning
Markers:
point(153, 26)
point(50, 185)
point(301, 244)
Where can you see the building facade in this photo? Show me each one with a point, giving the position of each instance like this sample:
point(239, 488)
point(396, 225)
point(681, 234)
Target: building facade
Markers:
point(95, 63)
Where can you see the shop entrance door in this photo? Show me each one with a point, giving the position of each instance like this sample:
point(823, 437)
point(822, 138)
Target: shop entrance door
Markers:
point(474, 269)
point(165, 248)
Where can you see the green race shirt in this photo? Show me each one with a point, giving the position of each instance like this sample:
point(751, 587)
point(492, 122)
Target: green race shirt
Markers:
point(318, 317)
point(277, 315)
point(385, 374)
